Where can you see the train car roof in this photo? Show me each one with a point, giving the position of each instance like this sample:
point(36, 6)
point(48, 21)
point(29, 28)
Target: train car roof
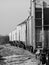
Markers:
point(24, 22)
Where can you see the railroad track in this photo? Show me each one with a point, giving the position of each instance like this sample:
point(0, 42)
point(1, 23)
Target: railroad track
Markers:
point(17, 59)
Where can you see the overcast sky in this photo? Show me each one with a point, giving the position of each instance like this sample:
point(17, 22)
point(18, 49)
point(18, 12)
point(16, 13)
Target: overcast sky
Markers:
point(12, 12)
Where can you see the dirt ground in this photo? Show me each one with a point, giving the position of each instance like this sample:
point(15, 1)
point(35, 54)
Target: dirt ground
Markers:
point(7, 50)
point(10, 53)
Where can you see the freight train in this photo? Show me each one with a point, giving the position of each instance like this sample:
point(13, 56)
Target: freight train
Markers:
point(21, 36)
point(32, 33)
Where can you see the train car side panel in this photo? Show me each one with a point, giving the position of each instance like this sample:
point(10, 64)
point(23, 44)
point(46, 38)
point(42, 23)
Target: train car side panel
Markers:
point(24, 33)
point(10, 37)
point(18, 33)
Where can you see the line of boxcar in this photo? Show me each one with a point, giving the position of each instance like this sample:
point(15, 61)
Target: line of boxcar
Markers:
point(21, 36)
point(32, 33)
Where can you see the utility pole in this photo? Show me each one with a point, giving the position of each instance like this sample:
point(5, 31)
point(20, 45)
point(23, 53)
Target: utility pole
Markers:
point(30, 8)
point(42, 25)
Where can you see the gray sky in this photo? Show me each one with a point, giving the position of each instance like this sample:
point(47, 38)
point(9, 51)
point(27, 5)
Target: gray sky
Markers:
point(12, 12)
